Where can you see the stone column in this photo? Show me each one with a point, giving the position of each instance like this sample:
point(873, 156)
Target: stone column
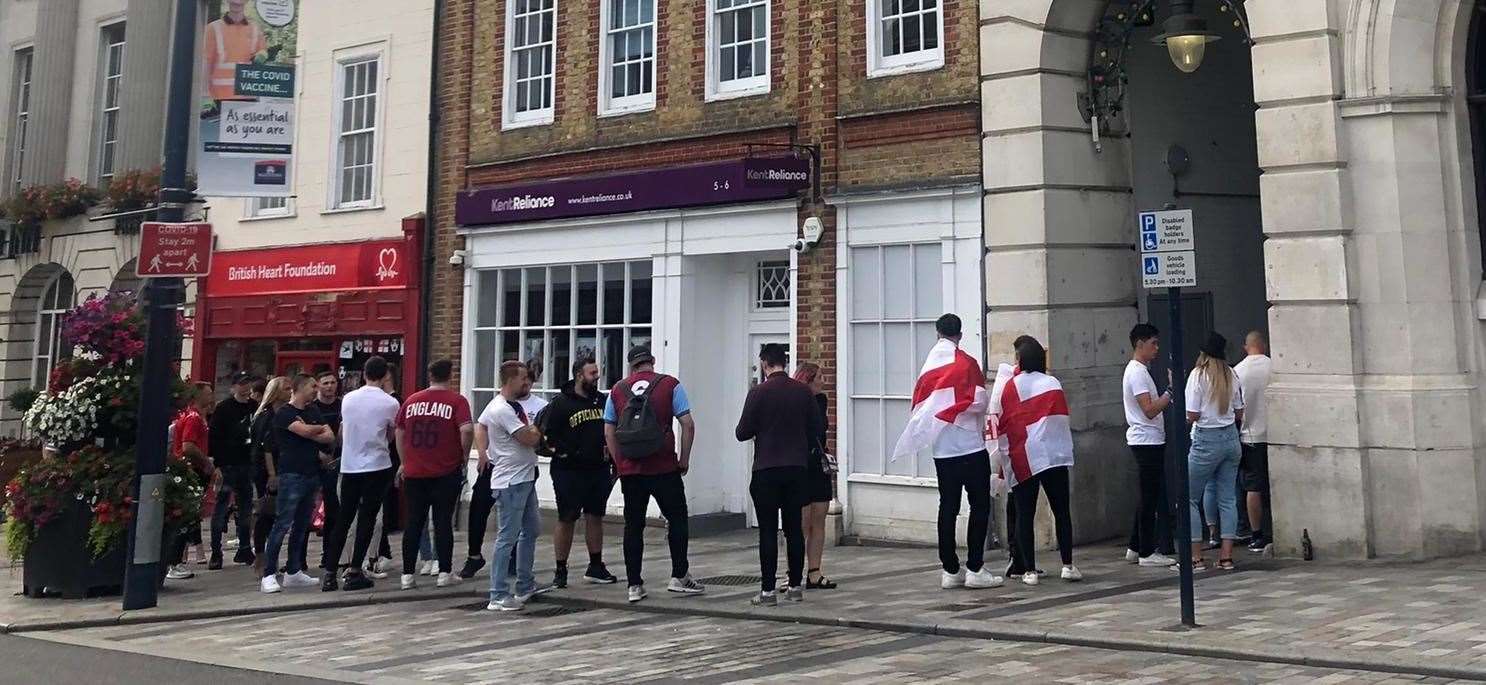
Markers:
point(51, 91)
point(142, 103)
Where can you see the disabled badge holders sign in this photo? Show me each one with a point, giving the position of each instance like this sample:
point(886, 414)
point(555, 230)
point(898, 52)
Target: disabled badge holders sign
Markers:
point(1168, 249)
point(174, 250)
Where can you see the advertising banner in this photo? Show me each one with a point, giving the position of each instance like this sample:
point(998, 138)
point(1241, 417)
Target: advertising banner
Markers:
point(738, 180)
point(247, 111)
point(315, 268)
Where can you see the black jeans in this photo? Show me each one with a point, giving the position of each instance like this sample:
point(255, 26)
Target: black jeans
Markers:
point(785, 490)
point(1054, 482)
point(441, 494)
point(670, 495)
point(481, 502)
point(972, 474)
point(239, 481)
point(361, 495)
point(1151, 532)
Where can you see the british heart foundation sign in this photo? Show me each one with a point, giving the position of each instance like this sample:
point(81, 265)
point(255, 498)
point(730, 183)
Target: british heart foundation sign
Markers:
point(310, 268)
point(174, 250)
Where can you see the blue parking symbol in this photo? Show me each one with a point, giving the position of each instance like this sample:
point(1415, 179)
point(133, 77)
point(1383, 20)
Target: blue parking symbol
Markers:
point(1153, 266)
point(1148, 221)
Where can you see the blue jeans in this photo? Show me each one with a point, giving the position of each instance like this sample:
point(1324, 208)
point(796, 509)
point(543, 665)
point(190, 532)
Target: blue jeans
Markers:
point(520, 522)
point(295, 505)
point(1214, 458)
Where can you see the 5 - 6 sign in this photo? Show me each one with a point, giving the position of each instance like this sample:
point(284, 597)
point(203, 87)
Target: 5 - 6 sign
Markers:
point(174, 250)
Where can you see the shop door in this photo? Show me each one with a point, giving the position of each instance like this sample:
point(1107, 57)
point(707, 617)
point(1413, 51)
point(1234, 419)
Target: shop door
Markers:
point(312, 363)
point(756, 376)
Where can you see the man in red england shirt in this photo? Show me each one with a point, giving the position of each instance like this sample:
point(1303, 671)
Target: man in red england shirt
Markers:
point(434, 434)
point(188, 441)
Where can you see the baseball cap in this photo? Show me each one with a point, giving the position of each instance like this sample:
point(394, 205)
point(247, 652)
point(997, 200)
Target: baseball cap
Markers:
point(243, 378)
point(640, 354)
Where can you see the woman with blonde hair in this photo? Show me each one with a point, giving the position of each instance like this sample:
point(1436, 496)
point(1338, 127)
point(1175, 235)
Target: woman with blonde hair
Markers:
point(265, 473)
point(1214, 408)
point(819, 468)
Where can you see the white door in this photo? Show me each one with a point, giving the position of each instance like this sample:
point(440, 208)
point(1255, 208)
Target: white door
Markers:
point(756, 376)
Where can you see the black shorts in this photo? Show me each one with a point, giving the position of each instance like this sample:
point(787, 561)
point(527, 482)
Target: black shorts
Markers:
point(581, 491)
point(1253, 468)
point(818, 482)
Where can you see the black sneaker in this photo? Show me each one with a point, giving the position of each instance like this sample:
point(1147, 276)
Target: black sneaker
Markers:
point(472, 566)
point(244, 557)
point(328, 584)
point(216, 563)
point(599, 575)
point(560, 577)
point(1258, 544)
point(357, 581)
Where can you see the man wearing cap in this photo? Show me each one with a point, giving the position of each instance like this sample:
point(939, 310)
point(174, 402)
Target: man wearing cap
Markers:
point(638, 417)
point(229, 440)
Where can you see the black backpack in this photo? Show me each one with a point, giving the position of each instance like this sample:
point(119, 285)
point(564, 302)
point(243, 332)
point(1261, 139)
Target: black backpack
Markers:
point(637, 430)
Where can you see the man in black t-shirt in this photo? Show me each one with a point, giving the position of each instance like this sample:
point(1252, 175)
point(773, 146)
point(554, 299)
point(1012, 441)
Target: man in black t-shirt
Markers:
point(328, 404)
point(299, 436)
point(230, 442)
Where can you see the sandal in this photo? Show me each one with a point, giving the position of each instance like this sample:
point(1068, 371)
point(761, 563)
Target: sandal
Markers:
point(1225, 564)
point(820, 583)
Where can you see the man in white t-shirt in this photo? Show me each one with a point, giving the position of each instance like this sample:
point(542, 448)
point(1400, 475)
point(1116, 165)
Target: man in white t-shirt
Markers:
point(506, 438)
point(1146, 436)
point(368, 425)
point(1253, 469)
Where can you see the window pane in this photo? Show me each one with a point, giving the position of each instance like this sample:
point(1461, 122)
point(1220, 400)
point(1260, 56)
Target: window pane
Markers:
point(866, 284)
point(911, 42)
point(759, 21)
point(511, 293)
point(560, 371)
point(647, 11)
point(587, 346)
point(928, 281)
point(481, 400)
point(727, 70)
point(641, 291)
point(613, 357)
point(901, 367)
point(640, 336)
point(588, 294)
point(536, 296)
point(866, 351)
point(562, 295)
point(485, 359)
point(488, 297)
point(868, 454)
point(614, 281)
point(897, 273)
point(534, 347)
point(931, 31)
point(892, 41)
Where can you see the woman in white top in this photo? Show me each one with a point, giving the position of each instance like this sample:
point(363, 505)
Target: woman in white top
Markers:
point(1214, 407)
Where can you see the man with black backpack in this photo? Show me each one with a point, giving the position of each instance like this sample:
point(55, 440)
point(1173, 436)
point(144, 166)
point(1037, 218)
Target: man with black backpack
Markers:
point(637, 429)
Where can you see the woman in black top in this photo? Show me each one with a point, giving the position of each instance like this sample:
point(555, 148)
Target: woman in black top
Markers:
point(819, 486)
point(265, 472)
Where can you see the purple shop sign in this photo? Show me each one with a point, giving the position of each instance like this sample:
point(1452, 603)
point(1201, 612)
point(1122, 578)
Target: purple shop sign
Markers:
point(737, 180)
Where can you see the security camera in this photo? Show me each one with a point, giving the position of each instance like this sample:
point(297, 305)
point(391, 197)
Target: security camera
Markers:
point(802, 246)
point(812, 229)
point(457, 258)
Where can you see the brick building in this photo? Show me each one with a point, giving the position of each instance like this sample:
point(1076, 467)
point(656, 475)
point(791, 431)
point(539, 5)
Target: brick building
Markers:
point(599, 167)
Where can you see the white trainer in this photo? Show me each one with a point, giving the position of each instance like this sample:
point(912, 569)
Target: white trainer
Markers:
point(269, 585)
point(1132, 556)
point(300, 579)
point(447, 579)
point(983, 579)
point(377, 568)
point(950, 581)
point(1031, 578)
point(1158, 560)
point(1072, 574)
point(409, 581)
point(430, 567)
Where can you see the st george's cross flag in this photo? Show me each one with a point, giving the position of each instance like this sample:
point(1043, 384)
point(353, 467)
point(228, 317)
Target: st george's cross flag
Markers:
point(950, 391)
point(1033, 424)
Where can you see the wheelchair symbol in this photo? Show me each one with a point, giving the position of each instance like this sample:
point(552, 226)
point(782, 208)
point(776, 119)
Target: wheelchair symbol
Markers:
point(1149, 241)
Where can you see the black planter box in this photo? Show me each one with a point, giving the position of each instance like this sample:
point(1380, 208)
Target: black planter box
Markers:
point(59, 562)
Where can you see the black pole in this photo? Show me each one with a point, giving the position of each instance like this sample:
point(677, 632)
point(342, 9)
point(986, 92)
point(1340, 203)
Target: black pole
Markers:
point(162, 299)
point(1178, 454)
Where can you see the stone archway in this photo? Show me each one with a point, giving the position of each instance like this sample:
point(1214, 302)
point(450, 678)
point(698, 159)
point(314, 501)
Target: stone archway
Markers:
point(20, 334)
point(126, 280)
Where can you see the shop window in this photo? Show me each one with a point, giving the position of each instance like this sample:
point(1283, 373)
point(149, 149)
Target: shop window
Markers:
point(56, 300)
point(20, 116)
point(738, 52)
point(264, 207)
point(627, 56)
point(554, 315)
point(771, 285)
point(111, 82)
point(897, 292)
point(904, 36)
point(531, 51)
point(358, 99)
point(1475, 76)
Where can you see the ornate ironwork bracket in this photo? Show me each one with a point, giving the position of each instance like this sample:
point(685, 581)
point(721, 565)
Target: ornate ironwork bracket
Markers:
point(1104, 98)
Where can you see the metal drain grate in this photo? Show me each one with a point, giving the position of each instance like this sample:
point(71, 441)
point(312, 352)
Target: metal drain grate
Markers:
point(534, 611)
point(730, 581)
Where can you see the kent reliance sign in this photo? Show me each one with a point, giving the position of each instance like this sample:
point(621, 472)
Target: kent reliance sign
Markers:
point(731, 181)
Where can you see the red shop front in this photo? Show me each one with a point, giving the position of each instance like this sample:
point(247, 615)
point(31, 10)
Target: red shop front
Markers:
point(310, 309)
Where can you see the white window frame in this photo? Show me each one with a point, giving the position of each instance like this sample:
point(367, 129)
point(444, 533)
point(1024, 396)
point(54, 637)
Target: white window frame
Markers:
point(267, 207)
point(49, 311)
point(758, 303)
point(536, 117)
point(23, 71)
point(105, 110)
point(378, 55)
point(630, 104)
point(879, 64)
point(717, 89)
point(545, 329)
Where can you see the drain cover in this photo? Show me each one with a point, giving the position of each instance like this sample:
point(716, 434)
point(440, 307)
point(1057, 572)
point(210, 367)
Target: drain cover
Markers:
point(732, 580)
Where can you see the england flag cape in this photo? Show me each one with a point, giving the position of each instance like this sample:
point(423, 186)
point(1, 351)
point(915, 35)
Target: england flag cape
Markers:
point(1034, 428)
point(950, 390)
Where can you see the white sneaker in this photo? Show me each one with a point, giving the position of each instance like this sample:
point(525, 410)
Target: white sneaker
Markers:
point(179, 572)
point(1132, 556)
point(430, 568)
point(269, 585)
point(447, 579)
point(983, 579)
point(1072, 574)
point(510, 603)
point(1031, 578)
point(636, 593)
point(1157, 559)
point(409, 581)
point(950, 581)
point(300, 579)
point(377, 568)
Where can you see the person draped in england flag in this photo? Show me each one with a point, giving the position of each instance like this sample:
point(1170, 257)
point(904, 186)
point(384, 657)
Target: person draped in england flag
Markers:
point(1030, 418)
point(949, 419)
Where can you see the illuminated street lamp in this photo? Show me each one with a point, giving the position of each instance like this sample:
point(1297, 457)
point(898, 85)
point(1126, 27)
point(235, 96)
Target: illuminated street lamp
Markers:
point(1185, 36)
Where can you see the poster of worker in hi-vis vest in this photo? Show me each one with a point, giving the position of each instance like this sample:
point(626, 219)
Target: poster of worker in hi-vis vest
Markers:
point(247, 108)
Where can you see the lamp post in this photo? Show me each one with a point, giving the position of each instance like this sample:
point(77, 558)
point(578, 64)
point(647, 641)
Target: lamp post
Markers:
point(1185, 36)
